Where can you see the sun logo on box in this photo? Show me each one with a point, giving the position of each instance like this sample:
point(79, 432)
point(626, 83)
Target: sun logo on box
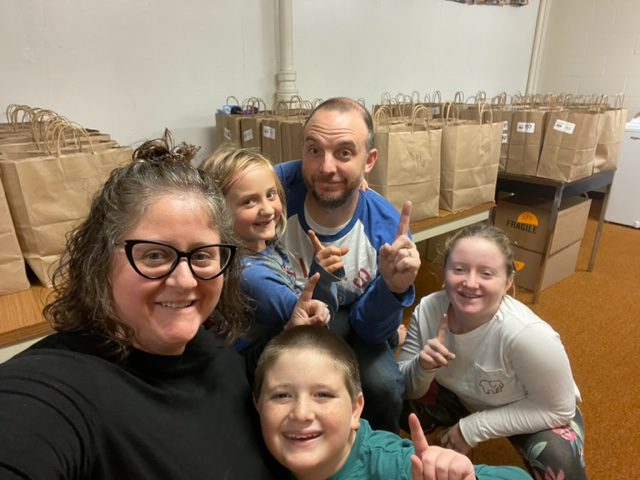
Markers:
point(526, 222)
point(528, 218)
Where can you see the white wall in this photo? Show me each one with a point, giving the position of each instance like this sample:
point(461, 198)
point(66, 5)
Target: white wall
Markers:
point(363, 48)
point(593, 46)
point(132, 67)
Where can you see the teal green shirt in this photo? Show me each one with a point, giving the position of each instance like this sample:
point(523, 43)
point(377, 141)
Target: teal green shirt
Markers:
point(380, 455)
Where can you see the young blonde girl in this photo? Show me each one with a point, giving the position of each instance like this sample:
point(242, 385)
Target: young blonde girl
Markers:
point(256, 200)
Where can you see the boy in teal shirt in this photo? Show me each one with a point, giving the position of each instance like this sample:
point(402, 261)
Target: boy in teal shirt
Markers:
point(308, 394)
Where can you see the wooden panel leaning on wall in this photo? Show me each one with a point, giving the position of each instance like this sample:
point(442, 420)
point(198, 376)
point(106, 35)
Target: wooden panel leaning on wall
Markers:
point(21, 315)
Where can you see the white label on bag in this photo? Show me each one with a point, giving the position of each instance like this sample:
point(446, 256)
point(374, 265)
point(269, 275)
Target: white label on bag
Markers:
point(435, 110)
point(268, 132)
point(227, 133)
point(505, 126)
point(564, 126)
point(526, 127)
point(247, 135)
point(505, 138)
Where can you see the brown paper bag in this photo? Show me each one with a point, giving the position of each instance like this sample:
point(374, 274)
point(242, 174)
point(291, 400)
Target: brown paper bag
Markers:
point(275, 146)
point(502, 113)
point(388, 103)
point(230, 129)
point(610, 137)
point(408, 165)
point(228, 123)
point(270, 139)
point(292, 128)
point(97, 147)
point(470, 159)
point(31, 144)
point(433, 103)
point(504, 117)
point(569, 148)
point(250, 124)
point(526, 135)
point(292, 132)
point(49, 194)
point(468, 108)
point(13, 275)
point(250, 131)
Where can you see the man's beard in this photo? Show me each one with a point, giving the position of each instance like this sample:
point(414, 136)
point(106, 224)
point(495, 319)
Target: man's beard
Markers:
point(334, 202)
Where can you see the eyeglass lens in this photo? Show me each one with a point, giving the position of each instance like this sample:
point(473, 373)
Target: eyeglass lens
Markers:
point(155, 260)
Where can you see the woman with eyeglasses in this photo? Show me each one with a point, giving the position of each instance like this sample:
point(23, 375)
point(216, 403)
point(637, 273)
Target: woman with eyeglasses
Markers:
point(133, 385)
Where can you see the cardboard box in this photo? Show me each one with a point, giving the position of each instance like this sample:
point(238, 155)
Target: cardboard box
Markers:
point(559, 266)
point(526, 221)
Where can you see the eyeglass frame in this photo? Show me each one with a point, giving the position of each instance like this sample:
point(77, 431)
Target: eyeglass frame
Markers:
point(128, 250)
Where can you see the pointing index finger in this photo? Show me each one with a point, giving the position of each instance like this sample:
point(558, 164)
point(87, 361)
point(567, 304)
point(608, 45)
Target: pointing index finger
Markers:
point(403, 225)
point(317, 245)
point(307, 292)
point(417, 435)
point(442, 330)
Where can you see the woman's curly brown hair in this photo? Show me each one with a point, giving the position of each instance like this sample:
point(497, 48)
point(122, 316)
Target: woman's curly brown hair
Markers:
point(82, 284)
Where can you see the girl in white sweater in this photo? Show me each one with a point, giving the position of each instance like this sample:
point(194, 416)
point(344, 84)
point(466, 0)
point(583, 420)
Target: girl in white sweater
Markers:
point(479, 361)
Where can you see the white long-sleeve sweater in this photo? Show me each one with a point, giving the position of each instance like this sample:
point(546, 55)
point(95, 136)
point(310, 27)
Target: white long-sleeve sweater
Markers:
point(512, 373)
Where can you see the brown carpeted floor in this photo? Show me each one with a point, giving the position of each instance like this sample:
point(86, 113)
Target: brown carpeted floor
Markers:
point(597, 314)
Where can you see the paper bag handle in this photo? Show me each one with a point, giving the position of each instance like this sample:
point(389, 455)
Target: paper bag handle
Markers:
point(75, 129)
point(385, 98)
point(499, 100)
point(448, 109)
point(40, 123)
point(229, 98)
point(382, 116)
point(425, 115)
point(619, 100)
point(483, 108)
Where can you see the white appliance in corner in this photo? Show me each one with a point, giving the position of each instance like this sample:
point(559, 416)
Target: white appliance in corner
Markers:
point(624, 199)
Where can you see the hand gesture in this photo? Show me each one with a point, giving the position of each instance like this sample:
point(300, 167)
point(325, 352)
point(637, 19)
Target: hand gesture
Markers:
point(434, 354)
point(309, 311)
point(329, 258)
point(435, 463)
point(454, 440)
point(399, 262)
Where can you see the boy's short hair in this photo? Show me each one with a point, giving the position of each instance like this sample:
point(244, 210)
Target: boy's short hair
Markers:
point(311, 337)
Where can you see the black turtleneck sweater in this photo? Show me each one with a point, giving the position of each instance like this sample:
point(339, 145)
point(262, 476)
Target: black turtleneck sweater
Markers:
point(68, 412)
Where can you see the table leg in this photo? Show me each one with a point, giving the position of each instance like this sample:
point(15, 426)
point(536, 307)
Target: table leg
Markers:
point(596, 240)
point(553, 218)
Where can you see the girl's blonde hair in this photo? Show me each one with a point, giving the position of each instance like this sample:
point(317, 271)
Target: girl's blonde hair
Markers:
point(224, 165)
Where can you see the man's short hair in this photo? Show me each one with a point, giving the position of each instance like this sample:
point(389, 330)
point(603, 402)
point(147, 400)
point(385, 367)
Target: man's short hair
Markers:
point(344, 104)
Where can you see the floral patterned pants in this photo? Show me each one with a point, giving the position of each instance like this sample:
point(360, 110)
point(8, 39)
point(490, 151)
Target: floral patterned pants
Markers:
point(552, 454)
